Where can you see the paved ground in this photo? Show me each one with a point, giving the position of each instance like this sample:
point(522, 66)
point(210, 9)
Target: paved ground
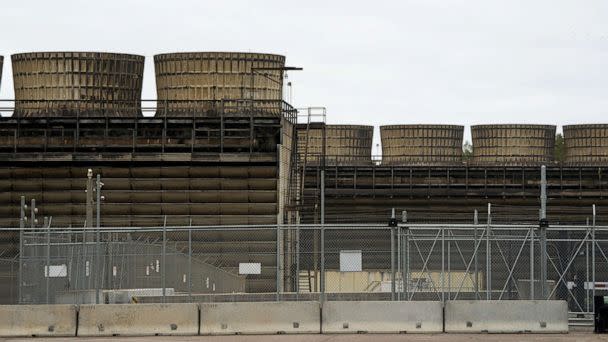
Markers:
point(348, 338)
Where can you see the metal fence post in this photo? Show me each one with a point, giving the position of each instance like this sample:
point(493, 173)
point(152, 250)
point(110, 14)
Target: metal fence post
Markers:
point(297, 282)
point(21, 247)
point(322, 275)
point(405, 254)
point(392, 231)
point(532, 295)
point(489, 255)
point(190, 263)
point(278, 261)
point(476, 272)
point(163, 272)
point(543, 232)
point(98, 277)
point(48, 258)
point(593, 259)
point(442, 264)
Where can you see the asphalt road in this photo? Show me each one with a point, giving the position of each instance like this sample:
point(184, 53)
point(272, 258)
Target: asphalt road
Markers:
point(343, 338)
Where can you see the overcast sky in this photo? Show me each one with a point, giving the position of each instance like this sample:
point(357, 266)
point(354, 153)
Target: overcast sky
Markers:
point(369, 62)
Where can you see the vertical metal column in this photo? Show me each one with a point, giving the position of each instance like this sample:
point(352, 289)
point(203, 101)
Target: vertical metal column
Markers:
point(163, 272)
point(593, 260)
point(406, 256)
point(442, 264)
point(449, 268)
point(47, 226)
point(393, 280)
point(21, 246)
point(489, 255)
point(543, 232)
point(278, 261)
point(97, 270)
point(190, 262)
point(532, 296)
point(475, 270)
point(89, 200)
point(297, 282)
point(322, 276)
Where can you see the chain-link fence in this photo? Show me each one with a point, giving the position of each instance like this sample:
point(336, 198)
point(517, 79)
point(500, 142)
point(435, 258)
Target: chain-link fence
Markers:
point(401, 261)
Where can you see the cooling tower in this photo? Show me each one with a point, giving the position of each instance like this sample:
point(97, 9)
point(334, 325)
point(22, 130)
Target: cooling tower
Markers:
point(345, 144)
point(586, 144)
point(198, 83)
point(421, 144)
point(513, 144)
point(77, 84)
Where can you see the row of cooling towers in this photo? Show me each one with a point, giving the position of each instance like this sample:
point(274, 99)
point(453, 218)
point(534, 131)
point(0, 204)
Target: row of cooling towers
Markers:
point(62, 83)
point(508, 144)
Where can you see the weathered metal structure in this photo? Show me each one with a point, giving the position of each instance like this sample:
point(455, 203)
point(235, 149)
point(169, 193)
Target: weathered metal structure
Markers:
point(340, 144)
point(421, 144)
point(586, 144)
point(77, 84)
point(513, 144)
point(222, 162)
point(187, 83)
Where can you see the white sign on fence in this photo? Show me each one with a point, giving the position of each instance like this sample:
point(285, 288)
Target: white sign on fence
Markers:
point(350, 261)
point(56, 271)
point(250, 268)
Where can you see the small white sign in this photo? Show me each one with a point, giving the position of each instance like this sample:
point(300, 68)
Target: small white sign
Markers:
point(350, 261)
point(250, 268)
point(598, 285)
point(56, 271)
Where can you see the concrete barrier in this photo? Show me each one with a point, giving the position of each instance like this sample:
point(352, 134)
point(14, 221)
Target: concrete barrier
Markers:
point(382, 317)
point(138, 319)
point(37, 320)
point(506, 316)
point(260, 318)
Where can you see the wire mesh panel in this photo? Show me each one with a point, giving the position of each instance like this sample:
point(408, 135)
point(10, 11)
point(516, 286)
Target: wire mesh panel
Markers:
point(408, 261)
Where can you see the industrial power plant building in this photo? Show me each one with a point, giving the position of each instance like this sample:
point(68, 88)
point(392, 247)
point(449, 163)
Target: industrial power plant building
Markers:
point(220, 147)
